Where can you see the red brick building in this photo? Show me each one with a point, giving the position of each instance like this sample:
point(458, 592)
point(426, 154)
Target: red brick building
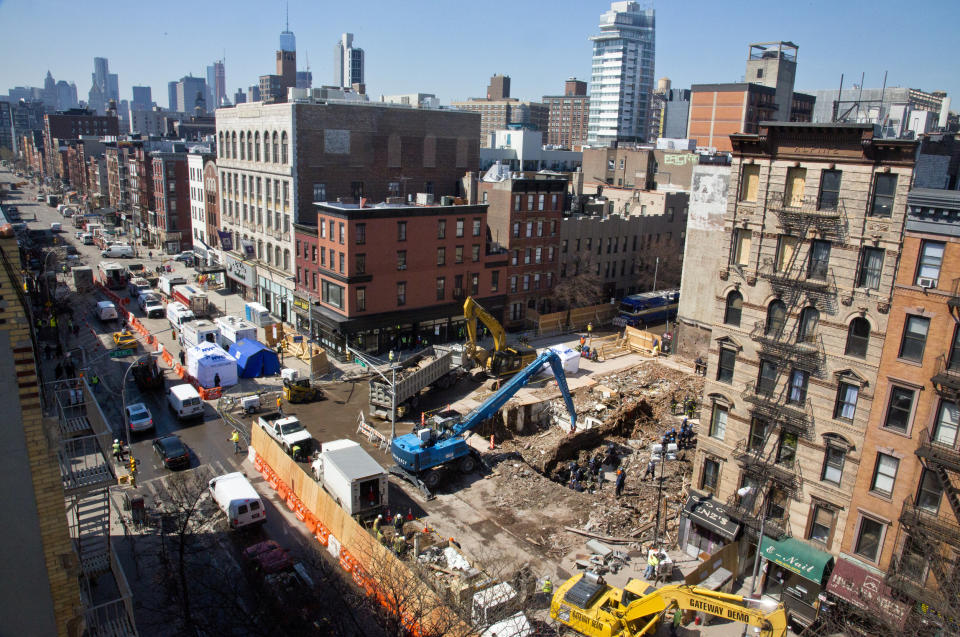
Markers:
point(71, 125)
point(393, 275)
point(169, 222)
point(141, 190)
point(568, 115)
point(524, 218)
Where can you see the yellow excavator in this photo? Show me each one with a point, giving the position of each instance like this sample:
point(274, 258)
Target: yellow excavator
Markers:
point(590, 606)
point(504, 360)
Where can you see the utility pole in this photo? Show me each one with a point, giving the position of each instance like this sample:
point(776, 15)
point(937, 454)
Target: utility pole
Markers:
point(656, 268)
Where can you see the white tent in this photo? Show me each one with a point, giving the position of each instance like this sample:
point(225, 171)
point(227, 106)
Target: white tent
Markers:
point(207, 360)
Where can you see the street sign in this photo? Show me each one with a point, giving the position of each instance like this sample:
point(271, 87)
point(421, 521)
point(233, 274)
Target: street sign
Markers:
point(120, 353)
point(358, 361)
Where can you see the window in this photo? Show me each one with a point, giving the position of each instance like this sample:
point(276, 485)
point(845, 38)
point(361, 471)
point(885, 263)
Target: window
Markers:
point(475, 284)
point(787, 448)
point(441, 228)
point(931, 258)
point(441, 256)
point(360, 264)
point(734, 309)
point(401, 231)
point(323, 256)
point(356, 189)
point(458, 254)
point(914, 338)
point(945, 429)
point(401, 259)
point(953, 362)
point(475, 253)
point(342, 255)
point(776, 318)
point(526, 282)
point(319, 192)
point(833, 459)
point(899, 409)
point(361, 299)
point(821, 524)
point(526, 256)
point(846, 405)
point(884, 187)
point(798, 387)
point(871, 265)
point(529, 229)
point(332, 294)
point(884, 474)
point(819, 260)
point(725, 364)
point(786, 252)
point(711, 475)
point(476, 227)
point(529, 202)
point(858, 338)
point(495, 280)
point(401, 293)
point(767, 377)
point(807, 325)
point(868, 539)
point(829, 190)
point(516, 230)
point(759, 428)
point(313, 254)
point(342, 233)
point(796, 183)
point(930, 492)
point(741, 246)
point(718, 422)
point(441, 287)
point(459, 227)
point(749, 182)
point(513, 283)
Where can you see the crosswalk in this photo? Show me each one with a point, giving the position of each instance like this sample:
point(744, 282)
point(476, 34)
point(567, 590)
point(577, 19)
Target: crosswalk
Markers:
point(174, 488)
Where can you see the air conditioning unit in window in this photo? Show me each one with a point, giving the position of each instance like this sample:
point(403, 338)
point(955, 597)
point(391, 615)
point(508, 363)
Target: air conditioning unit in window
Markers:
point(926, 282)
point(401, 266)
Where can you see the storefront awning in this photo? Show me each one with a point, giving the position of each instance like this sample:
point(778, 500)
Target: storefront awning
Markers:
point(796, 556)
point(708, 513)
point(867, 590)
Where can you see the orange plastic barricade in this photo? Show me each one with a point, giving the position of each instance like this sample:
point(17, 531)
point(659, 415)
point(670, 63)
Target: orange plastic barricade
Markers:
point(282, 489)
point(322, 533)
point(258, 463)
point(309, 520)
point(292, 501)
point(347, 562)
point(273, 480)
point(301, 511)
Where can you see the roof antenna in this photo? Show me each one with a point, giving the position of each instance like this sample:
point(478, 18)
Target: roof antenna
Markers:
point(288, 15)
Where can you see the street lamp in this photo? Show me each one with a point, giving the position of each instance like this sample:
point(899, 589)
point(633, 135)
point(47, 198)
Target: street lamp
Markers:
point(393, 398)
point(744, 492)
point(656, 268)
point(123, 393)
point(669, 448)
point(589, 334)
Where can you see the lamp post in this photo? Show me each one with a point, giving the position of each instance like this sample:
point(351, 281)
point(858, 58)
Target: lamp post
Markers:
point(743, 492)
point(589, 334)
point(656, 268)
point(663, 468)
point(393, 398)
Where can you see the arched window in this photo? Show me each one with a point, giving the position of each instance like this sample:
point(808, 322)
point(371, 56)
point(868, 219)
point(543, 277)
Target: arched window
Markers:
point(734, 309)
point(249, 146)
point(220, 145)
point(233, 145)
point(266, 147)
point(276, 256)
point(283, 147)
point(776, 318)
point(286, 259)
point(858, 337)
point(807, 328)
point(276, 148)
point(256, 146)
point(242, 153)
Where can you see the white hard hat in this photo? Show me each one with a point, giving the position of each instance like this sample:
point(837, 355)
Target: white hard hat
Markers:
point(380, 516)
point(116, 440)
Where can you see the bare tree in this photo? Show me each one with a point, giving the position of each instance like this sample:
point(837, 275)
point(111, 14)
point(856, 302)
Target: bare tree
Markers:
point(581, 287)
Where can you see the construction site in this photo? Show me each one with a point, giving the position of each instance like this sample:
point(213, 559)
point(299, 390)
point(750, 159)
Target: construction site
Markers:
point(545, 502)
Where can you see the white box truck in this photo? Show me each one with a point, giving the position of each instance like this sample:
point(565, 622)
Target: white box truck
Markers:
point(233, 329)
point(238, 500)
point(167, 281)
point(196, 332)
point(352, 477)
point(193, 298)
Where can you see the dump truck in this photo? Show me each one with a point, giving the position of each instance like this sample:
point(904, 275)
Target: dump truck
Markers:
point(287, 431)
point(352, 477)
point(147, 375)
point(433, 367)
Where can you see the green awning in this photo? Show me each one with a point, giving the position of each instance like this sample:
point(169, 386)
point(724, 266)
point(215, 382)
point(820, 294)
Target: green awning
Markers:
point(796, 556)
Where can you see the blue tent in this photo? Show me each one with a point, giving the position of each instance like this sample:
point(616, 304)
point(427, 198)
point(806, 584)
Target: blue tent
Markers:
point(254, 359)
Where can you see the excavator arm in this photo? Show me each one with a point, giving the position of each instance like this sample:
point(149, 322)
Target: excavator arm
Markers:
point(772, 621)
point(473, 311)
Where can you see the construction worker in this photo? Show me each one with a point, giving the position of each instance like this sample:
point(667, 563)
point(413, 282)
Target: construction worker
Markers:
point(398, 523)
point(621, 480)
point(235, 439)
point(601, 478)
point(117, 450)
point(675, 624)
point(651, 469)
point(547, 588)
point(380, 537)
point(279, 405)
point(452, 543)
point(295, 452)
point(652, 562)
point(94, 381)
point(377, 523)
point(399, 545)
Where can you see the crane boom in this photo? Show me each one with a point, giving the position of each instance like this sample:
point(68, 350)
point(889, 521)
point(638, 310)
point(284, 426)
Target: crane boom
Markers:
point(473, 311)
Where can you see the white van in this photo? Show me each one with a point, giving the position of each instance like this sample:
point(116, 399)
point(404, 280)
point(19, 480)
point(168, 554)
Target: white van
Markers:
point(185, 402)
point(118, 250)
point(87, 239)
point(167, 281)
point(106, 311)
point(178, 314)
point(238, 500)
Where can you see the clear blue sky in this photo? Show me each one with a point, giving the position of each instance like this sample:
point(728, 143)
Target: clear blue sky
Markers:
point(452, 47)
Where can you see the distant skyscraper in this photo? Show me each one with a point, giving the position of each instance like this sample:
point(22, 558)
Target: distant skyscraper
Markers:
point(190, 91)
point(622, 80)
point(304, 79)
point(286, 64)
point(219, 84)
point(66, 95)
point(50, 91)
point(142, 98)
point(347, 62)
point(253, 93)
point(239, 97)
point(211, 81)
point(172, 96)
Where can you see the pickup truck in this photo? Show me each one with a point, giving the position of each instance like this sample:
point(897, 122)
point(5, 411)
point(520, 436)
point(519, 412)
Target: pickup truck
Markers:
point(287, 431)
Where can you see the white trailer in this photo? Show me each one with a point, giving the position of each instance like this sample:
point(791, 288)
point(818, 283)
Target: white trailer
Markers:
point(196, 332)
point(233, 329)
point(352, 477)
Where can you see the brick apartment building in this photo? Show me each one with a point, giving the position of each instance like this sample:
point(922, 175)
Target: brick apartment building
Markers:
point(524, 217)
point(168, 224)
point(498, 110)
point(568, 115)
point(276, 160)
point(720, 110)
point(71, 125)
point(211, 194)
point(140, 171)
point(801, 311)
point(905, 514)
point(393, 275)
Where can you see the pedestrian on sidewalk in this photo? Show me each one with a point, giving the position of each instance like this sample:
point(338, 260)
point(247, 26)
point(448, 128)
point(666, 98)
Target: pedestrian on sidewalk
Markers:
point(621, 480)
point(183, 358)
point(117, 450)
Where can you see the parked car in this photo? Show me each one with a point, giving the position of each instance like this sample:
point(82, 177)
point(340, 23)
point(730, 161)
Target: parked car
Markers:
point(106, 311)
point(172, 452)
point(151, 305)
point(138, 417)
point(185, 257)
point(267, 557)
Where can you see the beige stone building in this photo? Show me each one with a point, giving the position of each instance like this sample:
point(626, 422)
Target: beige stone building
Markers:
point(812, 231)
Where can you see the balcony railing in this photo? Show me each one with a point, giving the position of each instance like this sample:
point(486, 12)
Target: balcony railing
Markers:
point(810, 207)
point(918, 517)
point(946, 377)
point(946, 455)
point(818, 283)
point(786, 473)
point(747, 511)
point(774, 407)
point(954, 301)
point(807, 353)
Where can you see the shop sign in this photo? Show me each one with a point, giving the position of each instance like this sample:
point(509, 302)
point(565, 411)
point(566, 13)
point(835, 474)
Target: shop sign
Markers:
point(866, 591)
point(300, 303)
point(239, 271)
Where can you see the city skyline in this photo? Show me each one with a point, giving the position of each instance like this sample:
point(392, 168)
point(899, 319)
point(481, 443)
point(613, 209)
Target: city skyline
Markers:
point(401, 46)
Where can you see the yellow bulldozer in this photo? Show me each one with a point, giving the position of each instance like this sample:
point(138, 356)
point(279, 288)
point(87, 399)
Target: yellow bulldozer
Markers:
point(591, 607)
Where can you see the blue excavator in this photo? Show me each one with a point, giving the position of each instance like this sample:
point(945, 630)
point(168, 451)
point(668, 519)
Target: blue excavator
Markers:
point(424, 454)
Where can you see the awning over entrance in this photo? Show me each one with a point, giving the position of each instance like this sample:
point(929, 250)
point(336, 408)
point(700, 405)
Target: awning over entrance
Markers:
point(708, 513)
point(795, 556)
point(867, 590)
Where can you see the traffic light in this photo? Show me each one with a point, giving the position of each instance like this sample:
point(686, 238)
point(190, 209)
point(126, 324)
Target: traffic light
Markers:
point(133, 464)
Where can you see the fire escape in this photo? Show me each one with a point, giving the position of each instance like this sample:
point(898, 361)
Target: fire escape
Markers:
point(929, 537)
point(82, 440)
point(781, 413)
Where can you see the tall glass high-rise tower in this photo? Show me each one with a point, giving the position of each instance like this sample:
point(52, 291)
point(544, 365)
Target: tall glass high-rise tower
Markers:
point(622, 76)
